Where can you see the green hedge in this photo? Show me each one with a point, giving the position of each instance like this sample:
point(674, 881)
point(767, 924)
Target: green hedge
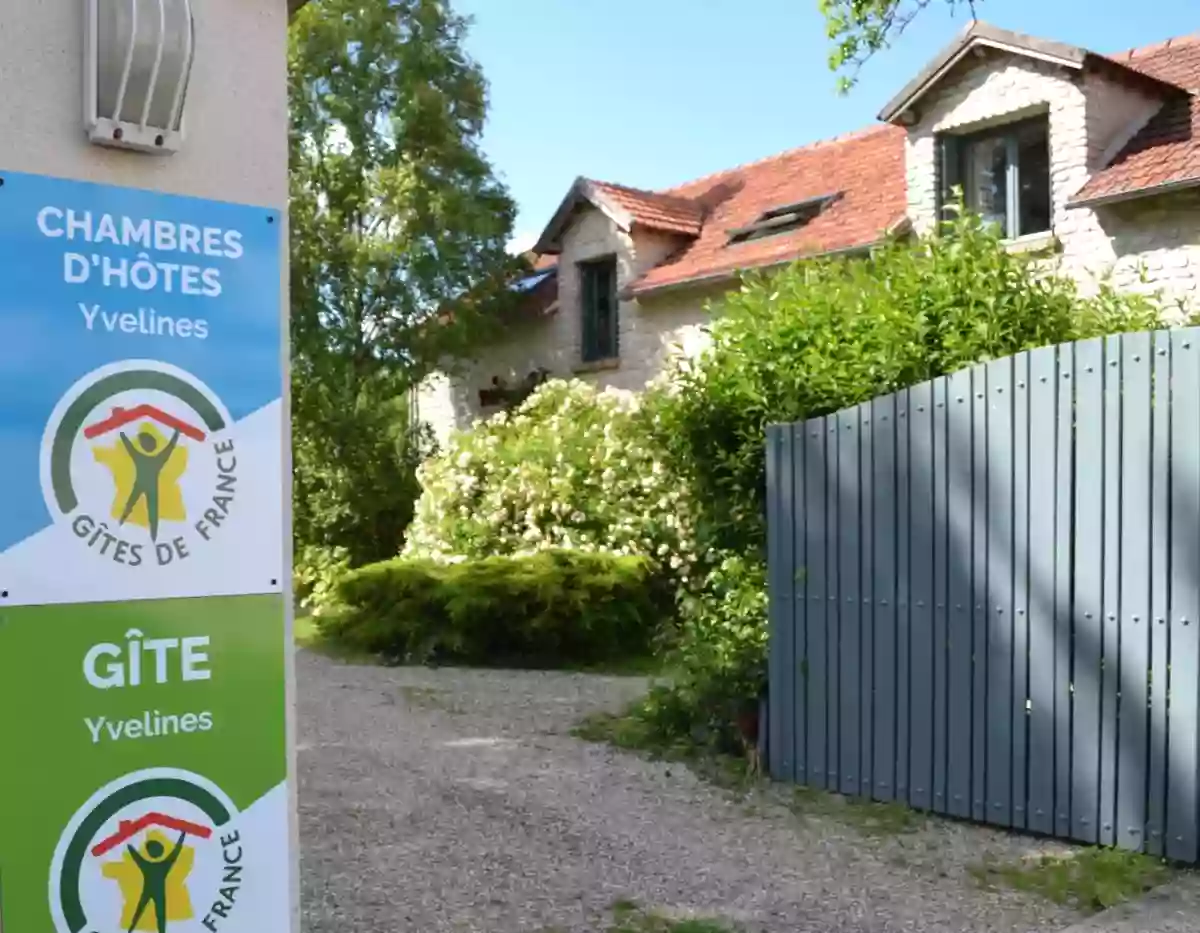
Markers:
point(550, 609)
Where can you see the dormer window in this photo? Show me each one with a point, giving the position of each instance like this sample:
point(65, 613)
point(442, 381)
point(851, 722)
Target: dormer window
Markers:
point(1004, 173)
point(782, 219)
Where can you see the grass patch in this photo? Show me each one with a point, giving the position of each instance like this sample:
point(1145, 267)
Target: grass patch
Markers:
point(649, 666)
point(304, 628)
point(649, 923)
point(307, 635)
point(870, 817)
point(1089, 880)
point(624, 731)
point(632, 733)
point(629, 918)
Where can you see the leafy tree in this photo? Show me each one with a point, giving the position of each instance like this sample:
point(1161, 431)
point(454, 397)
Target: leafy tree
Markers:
point(860, 28)
point(398, 256)
point(355, 479)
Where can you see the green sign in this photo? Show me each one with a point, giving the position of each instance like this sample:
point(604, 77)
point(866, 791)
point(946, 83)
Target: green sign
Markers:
point(144, 644)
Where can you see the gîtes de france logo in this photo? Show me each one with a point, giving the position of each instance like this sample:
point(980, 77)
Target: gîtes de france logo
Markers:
point(138, 461)
point(158, 851)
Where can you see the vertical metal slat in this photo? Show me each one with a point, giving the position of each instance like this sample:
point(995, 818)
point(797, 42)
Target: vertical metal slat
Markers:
point(1110, 664)
point(797, 720)
point(1185, 601)
point(1064, 589)
point(921, 647)
point(1089, 588)
point(833, 620)
point(939, 527)
point(779, 754)
point(1134, 609)
point(1043, 442)
point(979, 594)
point(959, 605)
point(1160, 583)
point(850, 599)
point(903, 598)
point(1020, 593)
point(884, 567)
point(816, 580)
point(999, 605)
point(866, 664)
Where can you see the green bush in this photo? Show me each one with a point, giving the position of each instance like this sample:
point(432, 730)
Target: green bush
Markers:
point(554, 608)
point(569, 468)
point(718, 659)
point(315, 575)
point(721, 647)
point(822, 335)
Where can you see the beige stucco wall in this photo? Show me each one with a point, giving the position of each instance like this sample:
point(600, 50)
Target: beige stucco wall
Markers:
point(236, 114)
point(648, 330)
point(1091, 116)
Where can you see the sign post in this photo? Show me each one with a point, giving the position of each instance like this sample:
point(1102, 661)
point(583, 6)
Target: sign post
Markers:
point(144, 647)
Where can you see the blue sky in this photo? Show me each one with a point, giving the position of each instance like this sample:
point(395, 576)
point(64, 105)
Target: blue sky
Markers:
point(651, 93)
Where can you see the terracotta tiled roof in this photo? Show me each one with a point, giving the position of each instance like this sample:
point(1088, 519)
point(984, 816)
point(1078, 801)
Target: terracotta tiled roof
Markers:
point(653, 209)
point(867, 167)
point(866, 170)
point(1176, 61)
point(1166, 151)
point(979, 36)
point(627, 207)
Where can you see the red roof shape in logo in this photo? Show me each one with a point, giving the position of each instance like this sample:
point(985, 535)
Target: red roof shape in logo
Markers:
point(130, 828)
point(123, 416)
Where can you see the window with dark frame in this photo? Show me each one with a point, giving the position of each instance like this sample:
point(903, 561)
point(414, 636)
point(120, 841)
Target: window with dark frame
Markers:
point(598, 292)
point(1004, 173)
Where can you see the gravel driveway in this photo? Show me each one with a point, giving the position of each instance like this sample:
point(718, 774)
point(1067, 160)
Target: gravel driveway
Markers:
point(455, 800)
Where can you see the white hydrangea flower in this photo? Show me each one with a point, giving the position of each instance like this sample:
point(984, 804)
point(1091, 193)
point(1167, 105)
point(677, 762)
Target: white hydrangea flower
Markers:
point(570, 468)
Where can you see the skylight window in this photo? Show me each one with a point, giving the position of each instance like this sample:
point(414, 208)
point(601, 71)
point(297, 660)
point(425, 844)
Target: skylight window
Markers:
point(530, 282)
point(784, 218)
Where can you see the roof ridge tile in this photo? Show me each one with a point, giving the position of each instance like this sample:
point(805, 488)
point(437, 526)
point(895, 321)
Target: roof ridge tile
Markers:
point(1143, 50)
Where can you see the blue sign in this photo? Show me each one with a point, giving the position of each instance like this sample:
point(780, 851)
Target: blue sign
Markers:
point(140, 394)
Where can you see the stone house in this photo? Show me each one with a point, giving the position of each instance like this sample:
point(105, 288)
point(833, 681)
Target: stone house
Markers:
point(1091, 159)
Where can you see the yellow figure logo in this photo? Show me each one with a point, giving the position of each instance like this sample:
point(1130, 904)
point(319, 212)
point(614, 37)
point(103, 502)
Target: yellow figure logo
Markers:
point(146, 466)
point(153, 883)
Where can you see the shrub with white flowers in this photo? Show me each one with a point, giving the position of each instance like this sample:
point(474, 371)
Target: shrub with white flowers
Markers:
point(571, 467)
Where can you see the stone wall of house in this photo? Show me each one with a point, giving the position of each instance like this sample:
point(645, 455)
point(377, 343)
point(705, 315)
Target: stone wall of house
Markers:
point(1149, 245)
point(446, 402)
point(648, 330)
point(1153, 246)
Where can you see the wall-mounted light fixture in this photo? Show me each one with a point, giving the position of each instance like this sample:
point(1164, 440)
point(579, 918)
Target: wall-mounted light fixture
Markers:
point(138, 58)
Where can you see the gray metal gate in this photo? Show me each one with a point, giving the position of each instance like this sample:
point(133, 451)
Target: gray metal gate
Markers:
point(985, 594)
